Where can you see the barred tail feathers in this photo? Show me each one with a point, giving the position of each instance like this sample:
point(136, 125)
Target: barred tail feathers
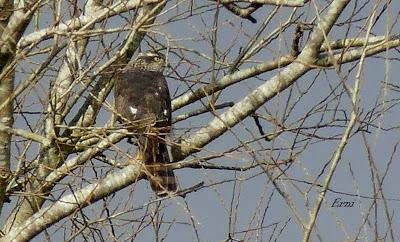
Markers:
point(161, 177)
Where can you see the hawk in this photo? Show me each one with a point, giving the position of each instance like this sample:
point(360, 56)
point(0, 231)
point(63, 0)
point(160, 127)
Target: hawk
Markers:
point(143, 105)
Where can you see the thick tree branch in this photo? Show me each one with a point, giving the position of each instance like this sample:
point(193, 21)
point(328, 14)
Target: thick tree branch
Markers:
point(67, 205)
point(355, 54)
point(82, 21)
point(266, 91)
point(13, 22)
point(230, 79)
point(26, 134)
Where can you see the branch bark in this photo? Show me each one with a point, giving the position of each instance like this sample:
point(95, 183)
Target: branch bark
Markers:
point(68, 204)
point(13, 23)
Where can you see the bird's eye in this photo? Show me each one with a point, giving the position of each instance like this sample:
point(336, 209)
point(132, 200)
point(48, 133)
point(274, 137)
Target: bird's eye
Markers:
point(157, 59)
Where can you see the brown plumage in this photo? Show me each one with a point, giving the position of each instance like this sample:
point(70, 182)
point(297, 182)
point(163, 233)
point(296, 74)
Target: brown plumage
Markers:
point(143, 104)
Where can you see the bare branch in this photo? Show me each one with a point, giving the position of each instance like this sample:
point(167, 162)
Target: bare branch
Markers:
point(82, 22)
point(289, 3)
point(68, 204)
point(268, 90)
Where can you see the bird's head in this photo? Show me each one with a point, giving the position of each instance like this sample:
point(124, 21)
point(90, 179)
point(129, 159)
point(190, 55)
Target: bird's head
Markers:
point(150, 61)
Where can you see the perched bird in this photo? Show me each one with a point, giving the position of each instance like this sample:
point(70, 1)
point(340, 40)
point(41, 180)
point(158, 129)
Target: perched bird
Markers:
point(143, 105)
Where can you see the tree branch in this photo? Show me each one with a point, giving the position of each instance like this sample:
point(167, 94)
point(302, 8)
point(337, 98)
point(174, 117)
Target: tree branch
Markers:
point(68, 204)
point(288, 3)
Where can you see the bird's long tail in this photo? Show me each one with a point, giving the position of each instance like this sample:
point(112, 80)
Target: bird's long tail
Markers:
point(161, 176)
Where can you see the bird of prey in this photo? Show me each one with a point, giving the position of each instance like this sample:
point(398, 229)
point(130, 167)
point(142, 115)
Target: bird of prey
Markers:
point(143, 105)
